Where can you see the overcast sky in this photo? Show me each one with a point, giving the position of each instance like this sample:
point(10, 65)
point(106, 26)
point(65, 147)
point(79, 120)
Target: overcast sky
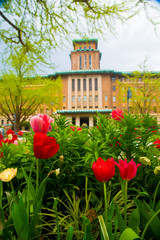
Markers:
point(135, 41)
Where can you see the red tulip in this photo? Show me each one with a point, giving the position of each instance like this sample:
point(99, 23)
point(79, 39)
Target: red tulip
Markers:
point(44, 147)
point(41, 123)
point(157, 143)
point(117, 114)
point(10, 131)
point(103, 170)
point(127, 170)
point(20, 133)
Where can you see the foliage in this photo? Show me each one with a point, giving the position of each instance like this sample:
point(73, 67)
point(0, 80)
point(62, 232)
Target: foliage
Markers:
point(70, 205)
point(37, 25)
point(145, 87)
point(20, 96)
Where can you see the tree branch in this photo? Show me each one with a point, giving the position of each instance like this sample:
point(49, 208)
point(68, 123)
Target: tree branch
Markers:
point(15, 27)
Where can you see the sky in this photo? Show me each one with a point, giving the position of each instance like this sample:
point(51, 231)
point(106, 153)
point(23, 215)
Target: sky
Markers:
point(135, 41)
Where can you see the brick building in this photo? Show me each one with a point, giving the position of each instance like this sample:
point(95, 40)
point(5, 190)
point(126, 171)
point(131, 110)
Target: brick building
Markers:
point(87, 89)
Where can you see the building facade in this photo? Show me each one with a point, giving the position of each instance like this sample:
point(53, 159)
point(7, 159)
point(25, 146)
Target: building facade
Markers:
point(87, 89)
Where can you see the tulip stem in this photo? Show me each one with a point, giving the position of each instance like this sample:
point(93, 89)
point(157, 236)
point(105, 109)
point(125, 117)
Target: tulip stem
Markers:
point(105, 201)
point(37, 174)
point(155, 195)
point(125, 202)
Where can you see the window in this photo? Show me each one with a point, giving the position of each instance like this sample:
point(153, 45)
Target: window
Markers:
point(79, 98)
point(80, 62)
point(84, 84)
point(35, 111)
point(106, 106)
point(96, 84)
point(155, 109)
point(114, 108)
point(114, 99)
point(106, 98)
point(113, 79)
point(140, 79)
point(85, 48)
point(73, 98)
point(89, 47)
point(64, 98)
point(90, 62)
point(73, 84)
point(2, 122)
point(114, 88)
point(90, 84)
point(96, 98)
point(90, 98)
point(85, 61)
point(79, 84)
point(85, 98)
point(47, 111)
point(80, 48)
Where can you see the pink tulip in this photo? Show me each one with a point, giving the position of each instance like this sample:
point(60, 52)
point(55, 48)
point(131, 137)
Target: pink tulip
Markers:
point(127, 170)
point(41, 123)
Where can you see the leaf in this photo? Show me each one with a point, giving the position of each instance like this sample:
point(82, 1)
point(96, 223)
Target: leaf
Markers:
point(121, 223)
point(129, 234)
point(23, 215)
point(34, 221)
point(134, 220)
point(40, 193)
point(18, 223)
point(103, 227)
point(147, 213)
point(2, 220)
point(70, 233)
point(110, 211)
point(88, 229)
point(30, 185)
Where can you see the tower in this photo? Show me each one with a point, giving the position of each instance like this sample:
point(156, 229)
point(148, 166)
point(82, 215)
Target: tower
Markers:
point(85, 55)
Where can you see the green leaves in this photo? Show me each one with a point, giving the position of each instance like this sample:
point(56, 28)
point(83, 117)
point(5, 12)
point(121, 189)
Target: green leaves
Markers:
point(129, 234)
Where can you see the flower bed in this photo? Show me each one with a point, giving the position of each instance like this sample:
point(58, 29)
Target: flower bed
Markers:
point(65, 182)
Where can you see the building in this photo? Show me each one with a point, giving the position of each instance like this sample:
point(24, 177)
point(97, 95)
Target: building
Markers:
point(87, 89)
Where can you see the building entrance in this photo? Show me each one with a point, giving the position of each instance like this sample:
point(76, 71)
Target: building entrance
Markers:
point(84, 120)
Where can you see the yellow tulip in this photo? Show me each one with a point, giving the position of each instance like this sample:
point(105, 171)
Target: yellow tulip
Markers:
point(157, 170)
point(145, 161)
point(8, 174)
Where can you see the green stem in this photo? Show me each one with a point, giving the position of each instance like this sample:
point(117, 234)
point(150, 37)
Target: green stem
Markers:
point(12, 189)
point(125, 202)
point(148, 223)
point(105, 201)
point(155, 194)
point(37, 174)
point(1, 193)
point(86, 196)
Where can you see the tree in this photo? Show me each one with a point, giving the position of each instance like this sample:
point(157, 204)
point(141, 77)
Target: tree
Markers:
point(20, 96)
point(145, 89)
point(49, 22)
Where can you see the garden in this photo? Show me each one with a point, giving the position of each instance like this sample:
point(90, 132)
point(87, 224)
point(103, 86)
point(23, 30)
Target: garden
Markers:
point(64, 182)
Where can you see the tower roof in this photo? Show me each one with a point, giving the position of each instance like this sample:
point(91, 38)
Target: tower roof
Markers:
point(85, 40)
